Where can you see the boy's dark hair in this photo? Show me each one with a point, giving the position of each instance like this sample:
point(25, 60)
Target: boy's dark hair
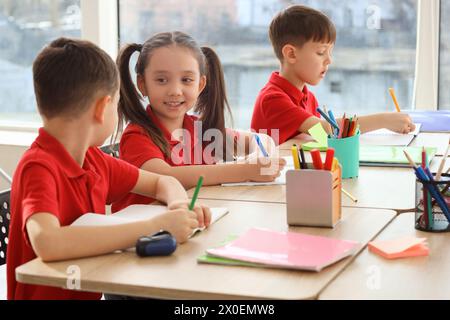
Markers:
point(297, 25)
point(211, 104)
point(68, 74)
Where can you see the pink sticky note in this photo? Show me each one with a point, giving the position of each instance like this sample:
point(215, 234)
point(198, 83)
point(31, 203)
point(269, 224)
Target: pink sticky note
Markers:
point(400, 248)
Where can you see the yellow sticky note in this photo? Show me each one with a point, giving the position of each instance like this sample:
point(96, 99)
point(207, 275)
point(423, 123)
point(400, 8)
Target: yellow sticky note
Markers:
point(400, 248)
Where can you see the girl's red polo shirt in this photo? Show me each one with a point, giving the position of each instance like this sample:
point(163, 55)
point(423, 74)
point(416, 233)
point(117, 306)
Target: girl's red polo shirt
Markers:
point(136, 147)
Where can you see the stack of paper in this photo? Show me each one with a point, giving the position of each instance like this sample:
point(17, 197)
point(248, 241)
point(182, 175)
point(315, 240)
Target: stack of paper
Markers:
point(400, 248)
point(385, 137)
point(287, 250)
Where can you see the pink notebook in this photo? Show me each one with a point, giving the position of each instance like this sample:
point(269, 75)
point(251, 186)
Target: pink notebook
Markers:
point(286, 250)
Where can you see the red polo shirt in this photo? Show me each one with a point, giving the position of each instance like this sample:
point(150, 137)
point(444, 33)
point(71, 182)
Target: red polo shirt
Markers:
point(48, 179)
point(136, 147)
point(280, 105)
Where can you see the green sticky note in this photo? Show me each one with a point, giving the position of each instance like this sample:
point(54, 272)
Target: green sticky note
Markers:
point(319, 134)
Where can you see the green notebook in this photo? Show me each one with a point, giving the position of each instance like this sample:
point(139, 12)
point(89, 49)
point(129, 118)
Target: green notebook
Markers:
point(223, 261)
point(392, 156)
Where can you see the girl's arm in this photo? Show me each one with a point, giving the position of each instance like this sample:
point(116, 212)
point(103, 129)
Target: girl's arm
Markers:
point(218, 173)
point(394, 121)
point(51, 242)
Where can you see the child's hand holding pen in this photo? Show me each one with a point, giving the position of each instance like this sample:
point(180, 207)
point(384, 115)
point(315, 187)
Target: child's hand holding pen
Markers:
point(398, 122)
point(203, 213)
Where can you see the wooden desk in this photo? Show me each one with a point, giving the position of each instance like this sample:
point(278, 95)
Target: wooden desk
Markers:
point(373, 277)
point(180, 276)
point(382, 188)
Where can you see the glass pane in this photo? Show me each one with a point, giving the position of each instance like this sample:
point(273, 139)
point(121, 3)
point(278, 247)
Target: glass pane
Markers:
point(25, 27)
point(444, 58)
point(375, 48)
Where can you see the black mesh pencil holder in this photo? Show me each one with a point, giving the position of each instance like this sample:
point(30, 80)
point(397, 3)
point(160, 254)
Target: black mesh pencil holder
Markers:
point(429, 215)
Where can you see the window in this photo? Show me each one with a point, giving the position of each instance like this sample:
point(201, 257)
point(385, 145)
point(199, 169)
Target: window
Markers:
point(375, 48)
point(25, 27)
point(444, 58)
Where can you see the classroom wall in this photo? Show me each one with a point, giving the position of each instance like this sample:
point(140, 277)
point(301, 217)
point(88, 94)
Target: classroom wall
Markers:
point(9, 157)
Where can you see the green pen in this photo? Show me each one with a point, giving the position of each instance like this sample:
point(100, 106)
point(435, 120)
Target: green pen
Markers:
point(197, 189)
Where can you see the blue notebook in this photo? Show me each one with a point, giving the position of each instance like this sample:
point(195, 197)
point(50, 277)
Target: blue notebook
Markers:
point(432, 121)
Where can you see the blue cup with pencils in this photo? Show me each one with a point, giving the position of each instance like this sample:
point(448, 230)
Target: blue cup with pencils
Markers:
point(430, 215)
point(345, 142)
point(432, 195)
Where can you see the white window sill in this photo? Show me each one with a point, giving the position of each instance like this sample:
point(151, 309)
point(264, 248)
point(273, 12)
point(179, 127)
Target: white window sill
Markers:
point(16, 137)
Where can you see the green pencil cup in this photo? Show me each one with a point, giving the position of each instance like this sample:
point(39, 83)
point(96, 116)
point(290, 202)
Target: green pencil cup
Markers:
point(347, 152)
point(429, 216)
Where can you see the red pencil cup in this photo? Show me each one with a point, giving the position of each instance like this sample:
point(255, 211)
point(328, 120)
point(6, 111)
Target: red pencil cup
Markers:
point(429, 216)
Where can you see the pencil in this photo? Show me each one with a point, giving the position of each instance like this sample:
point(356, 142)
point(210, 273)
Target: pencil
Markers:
point(441, 167)
point(394, 98)
point(196, 191)
point(349, 195)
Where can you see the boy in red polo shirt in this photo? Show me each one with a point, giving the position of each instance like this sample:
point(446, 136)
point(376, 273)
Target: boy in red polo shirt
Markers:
point(63, 175)
point(303, 41)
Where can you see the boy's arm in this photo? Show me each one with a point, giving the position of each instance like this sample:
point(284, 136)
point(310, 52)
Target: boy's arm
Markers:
point(394, 121)
point(311, 122)
point(161, 187)
point(167, 189)
point(51, 242)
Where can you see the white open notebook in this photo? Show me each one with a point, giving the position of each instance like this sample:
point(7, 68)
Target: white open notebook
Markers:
point(137, 212)
point(385, 137)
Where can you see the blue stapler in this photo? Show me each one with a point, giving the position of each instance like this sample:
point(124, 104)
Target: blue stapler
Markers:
point(159, 244)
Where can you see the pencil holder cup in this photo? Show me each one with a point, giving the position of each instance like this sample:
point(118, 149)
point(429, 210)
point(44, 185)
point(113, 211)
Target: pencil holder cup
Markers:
point(347, 152)
point(429, 215)
point(313, 197)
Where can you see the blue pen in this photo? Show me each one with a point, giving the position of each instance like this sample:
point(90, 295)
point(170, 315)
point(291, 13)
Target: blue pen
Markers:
point(428, 177)
point(261, 147)
point(330, 113)
point(324, 115)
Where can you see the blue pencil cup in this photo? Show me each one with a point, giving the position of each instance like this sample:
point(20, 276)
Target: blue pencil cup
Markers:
point(347, 152)
point(429, 216)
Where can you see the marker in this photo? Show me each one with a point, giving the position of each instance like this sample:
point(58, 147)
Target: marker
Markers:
point(295, 157)
point(303, 164)
point(317, 159)
point(325, 116)
point(329, 159)
point(196, 191)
